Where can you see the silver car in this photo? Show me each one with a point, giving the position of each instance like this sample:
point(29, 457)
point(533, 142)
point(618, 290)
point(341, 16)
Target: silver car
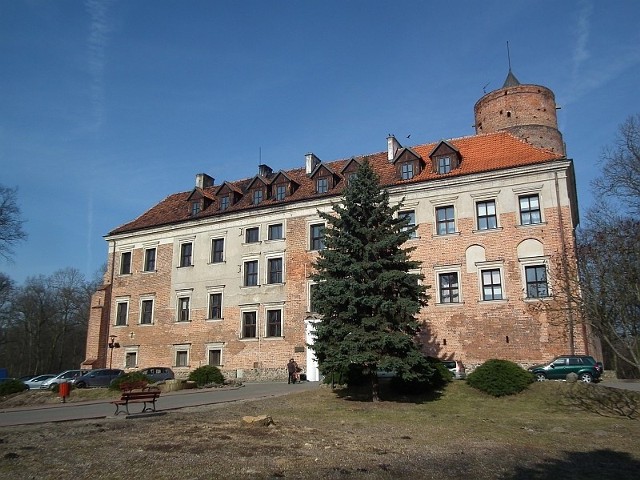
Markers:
point(35, 382)
point(64, 377)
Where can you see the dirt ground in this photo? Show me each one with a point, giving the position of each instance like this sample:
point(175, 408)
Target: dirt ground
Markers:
point(318, 434)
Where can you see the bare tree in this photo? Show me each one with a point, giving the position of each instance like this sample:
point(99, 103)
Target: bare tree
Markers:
point(11, 231)
point(620, 180)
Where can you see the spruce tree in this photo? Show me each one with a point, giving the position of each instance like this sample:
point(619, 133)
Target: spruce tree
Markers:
point(366, 293)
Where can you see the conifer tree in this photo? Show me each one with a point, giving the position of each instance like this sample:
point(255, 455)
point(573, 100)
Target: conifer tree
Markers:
point(365, 292)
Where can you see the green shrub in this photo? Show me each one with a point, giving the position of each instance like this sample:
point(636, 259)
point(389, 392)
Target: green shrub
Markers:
point(12, 386)
point(206, 375)
point(129, 381)
point(427, 375)
point(499, 378)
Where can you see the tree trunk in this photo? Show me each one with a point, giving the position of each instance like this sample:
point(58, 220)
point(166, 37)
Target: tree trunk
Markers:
point(374, 386)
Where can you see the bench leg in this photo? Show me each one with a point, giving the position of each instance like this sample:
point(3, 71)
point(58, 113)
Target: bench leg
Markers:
point(149, 409)
point(125, 405)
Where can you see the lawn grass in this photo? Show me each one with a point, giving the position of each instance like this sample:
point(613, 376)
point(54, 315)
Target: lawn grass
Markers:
point(552, 430)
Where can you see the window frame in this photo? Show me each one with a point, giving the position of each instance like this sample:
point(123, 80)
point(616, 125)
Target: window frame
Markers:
point(316, 243)
point(493, 286)
point(118, 322)
point(529, 211)
point(268, 333)
point(446, 222)
point(127, 355)
point(536, 283)
point(275, 276)
point(322, 184)
point(251, 327)
point(225, 202)
point(126, 266)
point(211, 305)
point(270, 230)
point(149, 264)
point(215, 347)
point(281, 192)
point(179, 352)
point(411, 214)
point(486, 217)
point(144, 301)
point(257, 196)
point(186, 258)
point(180, 318)
point(252, 235)
point(217, 255)
point(407, 170)
point(449, 289)
point(444, 164)
point(248, 273)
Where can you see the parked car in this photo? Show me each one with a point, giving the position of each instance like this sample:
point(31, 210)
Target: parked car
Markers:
point(586, 367)
point(158, 374)
point(36, 382)
point(456, 367)
point(100, 377)
point(66, 376)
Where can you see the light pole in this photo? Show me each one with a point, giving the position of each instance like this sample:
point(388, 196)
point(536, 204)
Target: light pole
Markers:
point(112, 344)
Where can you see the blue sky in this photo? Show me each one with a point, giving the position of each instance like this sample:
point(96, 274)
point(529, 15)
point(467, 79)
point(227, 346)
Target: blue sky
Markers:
point(107, 107)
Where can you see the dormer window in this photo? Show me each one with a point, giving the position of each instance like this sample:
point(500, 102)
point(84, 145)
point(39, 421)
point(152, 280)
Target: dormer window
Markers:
point(407, 170)
point(444, 164)
point(281, 192)
point(258, 196)
point(351, 178)
point(195, 208)
point(224, 202)
point(322, 185)
point(445, 158)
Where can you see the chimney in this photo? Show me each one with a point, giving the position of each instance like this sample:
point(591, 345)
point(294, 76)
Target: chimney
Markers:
point(203, 180)
point(392, 147)
point(311, 162)
point(264, 170)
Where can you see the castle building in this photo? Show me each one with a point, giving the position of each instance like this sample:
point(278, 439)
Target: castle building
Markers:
point(221, 274)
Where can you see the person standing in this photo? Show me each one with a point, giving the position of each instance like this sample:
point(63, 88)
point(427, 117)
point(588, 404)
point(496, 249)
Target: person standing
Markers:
point(292, 368)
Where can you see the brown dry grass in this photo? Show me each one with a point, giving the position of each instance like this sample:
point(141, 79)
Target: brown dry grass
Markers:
point(544, 433)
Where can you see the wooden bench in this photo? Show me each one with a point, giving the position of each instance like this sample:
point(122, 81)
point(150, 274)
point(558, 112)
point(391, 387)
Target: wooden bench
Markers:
point(147, 397)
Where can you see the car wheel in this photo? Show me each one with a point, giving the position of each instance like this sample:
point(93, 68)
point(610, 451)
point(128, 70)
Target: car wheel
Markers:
point(52, 386)
point(540, 377)
point(81, 385)
point(586, 377)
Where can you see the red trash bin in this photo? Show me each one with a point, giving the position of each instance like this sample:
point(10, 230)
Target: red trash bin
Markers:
point(64, 389)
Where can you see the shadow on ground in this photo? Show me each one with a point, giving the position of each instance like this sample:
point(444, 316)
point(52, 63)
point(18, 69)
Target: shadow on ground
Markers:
point(596, 465)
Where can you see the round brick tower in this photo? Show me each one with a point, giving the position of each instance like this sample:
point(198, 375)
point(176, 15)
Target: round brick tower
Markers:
point(526, 111)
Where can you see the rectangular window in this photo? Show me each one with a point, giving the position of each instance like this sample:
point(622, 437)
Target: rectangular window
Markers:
point(491, 285)
point(251, 273)
point(445, 220)
point(322, 185)
point(444, 165)
point(275, 270)
point(537, 286)
point(215, 306)
point(249, 325)
point(312, 306)
point(146, 312)
point(224, 202)
point(351, 178)
point(410, 215)
point(217, 250)
point(281, 192)
point(182, 358)
point(274, 323)
point(275, 232)
point(215, 357)
point(183, 309)
point(316, 237)
point(406, 171)
point(195, 208)
point(487, 218)
point(150, 260)
point(131, 360)
point(122, 311)
point(252, 235)
point(186, 254)
point(449, 288)
point(125, 263)
point(257, 196)
point(530, 210)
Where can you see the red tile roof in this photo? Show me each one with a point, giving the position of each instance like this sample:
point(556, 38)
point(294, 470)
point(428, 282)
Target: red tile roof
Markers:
point(480, 153)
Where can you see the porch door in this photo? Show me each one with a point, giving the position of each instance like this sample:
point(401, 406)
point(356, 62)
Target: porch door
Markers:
point(313, 374)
